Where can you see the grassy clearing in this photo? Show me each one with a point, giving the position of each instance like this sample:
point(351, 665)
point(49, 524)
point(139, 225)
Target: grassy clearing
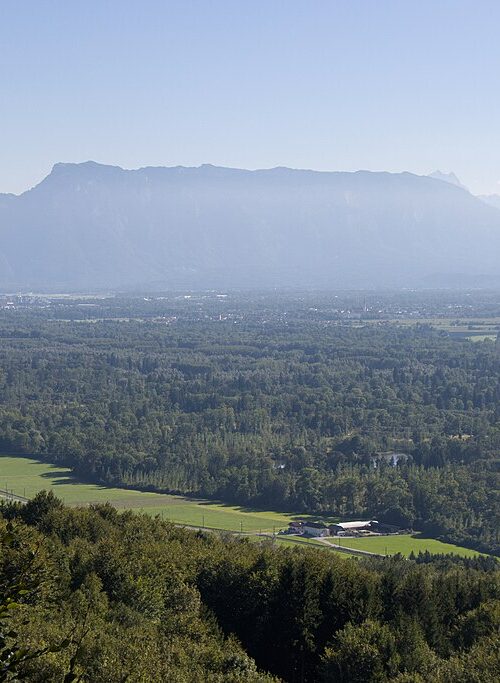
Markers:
point(482, 337)
point(404, 544)
point(452, 323)
point(26, 476)
point(216, 515)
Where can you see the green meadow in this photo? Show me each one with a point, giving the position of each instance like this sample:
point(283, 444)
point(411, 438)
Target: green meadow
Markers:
point(404, 544)
point(26, 476)
point(482, 337)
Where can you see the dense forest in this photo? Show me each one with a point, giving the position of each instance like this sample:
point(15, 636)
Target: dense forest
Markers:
point(93, 595)
point(289, 411)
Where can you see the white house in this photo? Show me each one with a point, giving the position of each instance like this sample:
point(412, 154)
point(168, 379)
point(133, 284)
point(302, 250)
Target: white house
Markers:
point(316, 529)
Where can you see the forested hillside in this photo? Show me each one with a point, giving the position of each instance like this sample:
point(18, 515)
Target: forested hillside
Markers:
point(94, 595)
point(291, 413)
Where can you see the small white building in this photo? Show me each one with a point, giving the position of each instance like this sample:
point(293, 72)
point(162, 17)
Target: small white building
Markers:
point(316, 529)
point(353, 527)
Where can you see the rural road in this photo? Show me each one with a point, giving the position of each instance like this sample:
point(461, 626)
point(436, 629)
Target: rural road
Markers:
point(10, 496)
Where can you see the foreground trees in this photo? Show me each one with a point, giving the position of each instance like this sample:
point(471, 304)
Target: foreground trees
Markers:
point(107, 603)
point(116, 597)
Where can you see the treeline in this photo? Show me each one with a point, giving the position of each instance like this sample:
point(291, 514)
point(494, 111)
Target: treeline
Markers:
point(288, 415)
point(93, 595)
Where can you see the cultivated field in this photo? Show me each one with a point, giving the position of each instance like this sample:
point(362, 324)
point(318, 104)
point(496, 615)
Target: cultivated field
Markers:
point(26, 476)
point(404, 544)
point(477, 329)
point(482, 337)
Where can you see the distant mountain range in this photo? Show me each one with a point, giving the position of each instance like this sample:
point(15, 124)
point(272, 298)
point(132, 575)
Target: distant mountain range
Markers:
point(491, 199)
point(89, 226)
point(447, 178)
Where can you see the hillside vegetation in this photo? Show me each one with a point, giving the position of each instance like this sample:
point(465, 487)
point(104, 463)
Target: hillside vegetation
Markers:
point(94, 595)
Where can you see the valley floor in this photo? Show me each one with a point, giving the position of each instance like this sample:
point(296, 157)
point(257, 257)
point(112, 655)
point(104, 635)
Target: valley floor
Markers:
point(23, 477)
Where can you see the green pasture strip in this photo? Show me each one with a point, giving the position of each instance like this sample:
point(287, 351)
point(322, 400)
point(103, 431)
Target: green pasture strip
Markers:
point(482, 337)
point(403, 544)
point(308, 542)
point(218, 516)
point(26, 477)
point(474, 329)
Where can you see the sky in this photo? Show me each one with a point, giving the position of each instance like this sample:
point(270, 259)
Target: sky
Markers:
point(325, 84)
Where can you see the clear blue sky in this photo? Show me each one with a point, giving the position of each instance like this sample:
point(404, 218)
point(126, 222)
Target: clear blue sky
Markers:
point(331, 84)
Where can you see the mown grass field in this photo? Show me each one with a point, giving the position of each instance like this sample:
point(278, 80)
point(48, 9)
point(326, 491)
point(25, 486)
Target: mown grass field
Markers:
point(477, 329)
point(482, 337)
point(404, 544)
point(26, 476)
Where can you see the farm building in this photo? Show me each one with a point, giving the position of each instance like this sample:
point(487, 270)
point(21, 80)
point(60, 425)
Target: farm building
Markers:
point(353, 527)
point(316, 529)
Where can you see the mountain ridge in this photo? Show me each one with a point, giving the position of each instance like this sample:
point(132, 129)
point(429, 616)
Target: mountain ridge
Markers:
point(491, 199)
point(450, 178)
point(94, 225)
point(60, 167)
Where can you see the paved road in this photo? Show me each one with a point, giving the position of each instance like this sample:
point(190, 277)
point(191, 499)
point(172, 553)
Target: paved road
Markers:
point(12, 497)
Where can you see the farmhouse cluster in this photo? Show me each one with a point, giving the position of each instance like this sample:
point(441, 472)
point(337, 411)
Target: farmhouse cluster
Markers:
point(356, 528)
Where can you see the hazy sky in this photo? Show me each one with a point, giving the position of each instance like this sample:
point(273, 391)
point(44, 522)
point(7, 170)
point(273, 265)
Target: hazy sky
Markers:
point(326, 84)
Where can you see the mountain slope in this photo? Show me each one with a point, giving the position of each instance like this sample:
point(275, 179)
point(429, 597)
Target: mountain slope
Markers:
point(491, 199)
point(447, 178)
point(89, 226)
